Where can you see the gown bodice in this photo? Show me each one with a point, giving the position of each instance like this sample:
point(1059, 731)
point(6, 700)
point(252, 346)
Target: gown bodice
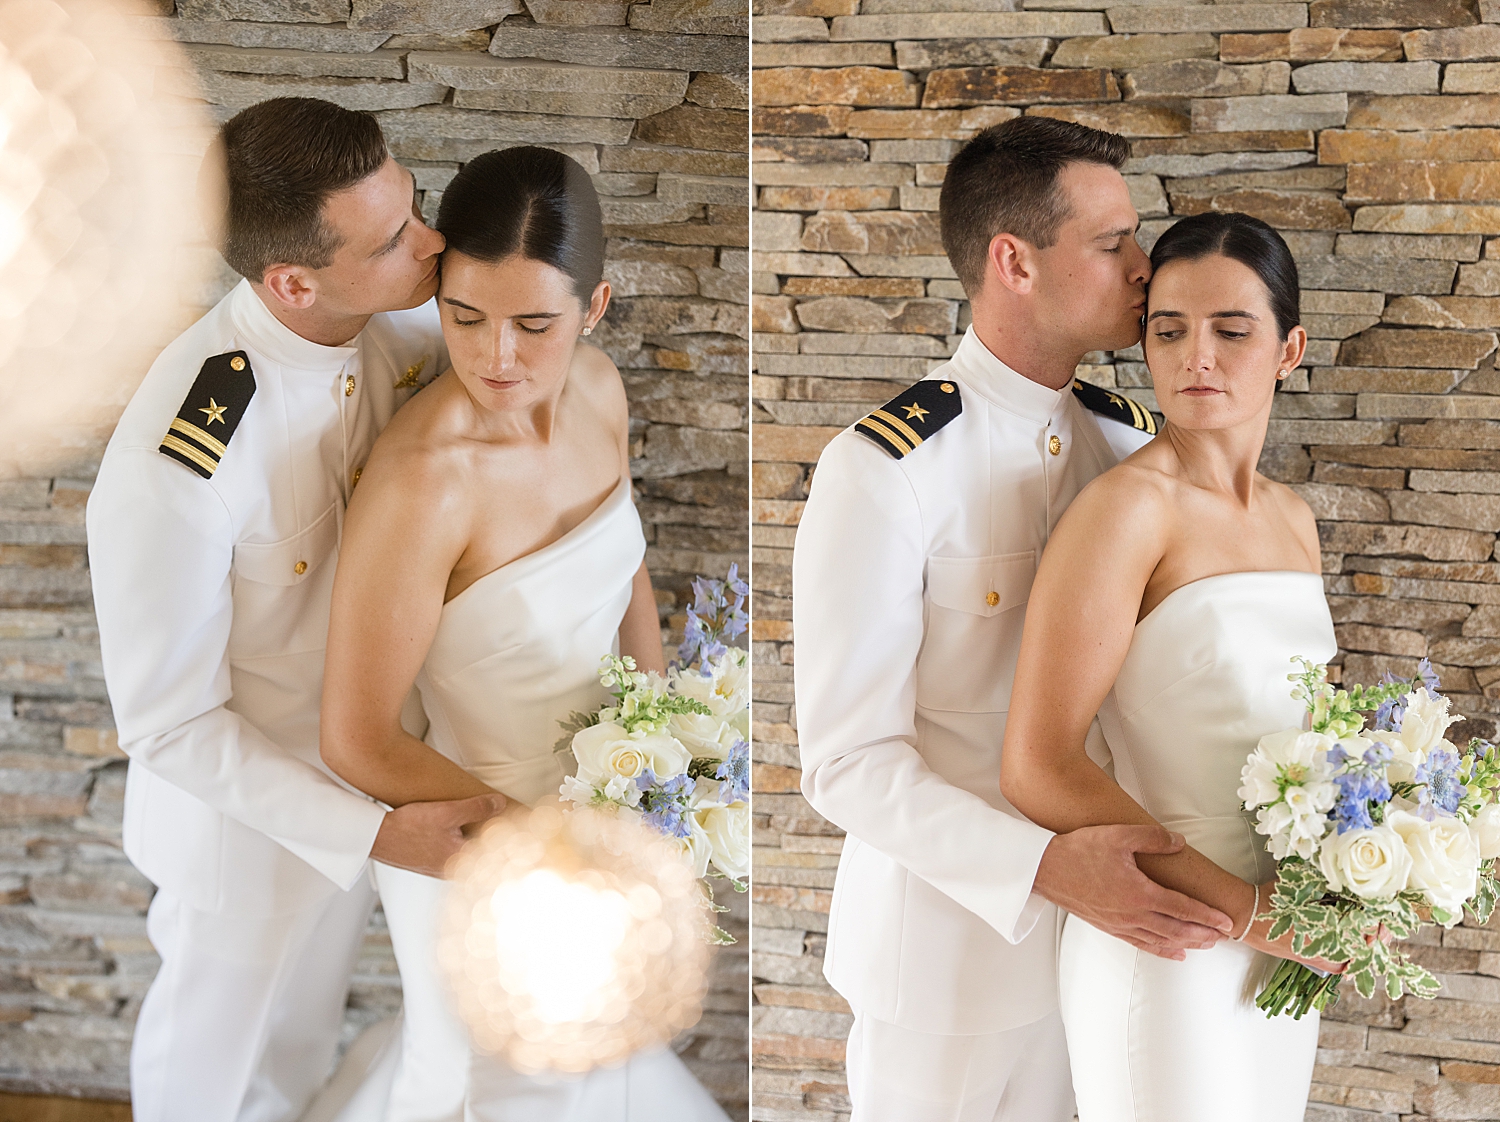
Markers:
point(1204, 679)
point(519, 649)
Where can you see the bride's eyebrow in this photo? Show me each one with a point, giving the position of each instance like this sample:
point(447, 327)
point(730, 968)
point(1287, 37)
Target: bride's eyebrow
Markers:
point(1165, 313)
point(461, 304)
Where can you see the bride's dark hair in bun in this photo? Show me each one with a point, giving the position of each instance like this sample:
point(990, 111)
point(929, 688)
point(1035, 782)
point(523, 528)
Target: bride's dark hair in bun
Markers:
point(1241, 238)
point(528, 200)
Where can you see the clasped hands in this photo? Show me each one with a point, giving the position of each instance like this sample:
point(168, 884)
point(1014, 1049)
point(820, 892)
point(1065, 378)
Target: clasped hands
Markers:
point(421, 837)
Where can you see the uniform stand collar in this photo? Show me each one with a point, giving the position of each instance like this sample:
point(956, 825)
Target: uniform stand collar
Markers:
point(279, 342)
point(1001, 385)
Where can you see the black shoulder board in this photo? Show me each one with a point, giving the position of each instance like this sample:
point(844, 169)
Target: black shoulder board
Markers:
point(912, 416)
point(1114, 406)
point(199, 434)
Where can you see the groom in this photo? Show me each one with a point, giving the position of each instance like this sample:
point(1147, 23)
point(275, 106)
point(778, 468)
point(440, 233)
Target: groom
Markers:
point(913, 563)
point(213, 535)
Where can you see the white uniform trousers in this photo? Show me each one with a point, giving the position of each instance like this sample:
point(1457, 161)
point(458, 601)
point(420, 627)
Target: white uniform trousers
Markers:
point(243, 1018)
point(900, 1075)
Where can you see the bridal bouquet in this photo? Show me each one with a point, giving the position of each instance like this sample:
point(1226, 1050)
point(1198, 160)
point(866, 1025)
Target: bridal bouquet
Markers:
point(674, 750)
point(1384, 826)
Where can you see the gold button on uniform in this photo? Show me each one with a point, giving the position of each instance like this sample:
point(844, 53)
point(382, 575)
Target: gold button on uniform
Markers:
point(946, 387)
point(1054, 445)
point(992, 598)
point(354, 482)
point(300, 567)
point(236, 363)
point(349, 386)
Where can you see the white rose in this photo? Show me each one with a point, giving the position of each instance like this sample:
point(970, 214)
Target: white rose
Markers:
point(696, 847)
point(1372, 864)
point(728, 832)
point(606, 751)
point(708, 737)
point(1444, 859)
point(1486, 826)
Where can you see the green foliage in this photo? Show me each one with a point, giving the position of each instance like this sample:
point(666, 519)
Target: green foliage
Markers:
point(1340, 713)
point(642, 705)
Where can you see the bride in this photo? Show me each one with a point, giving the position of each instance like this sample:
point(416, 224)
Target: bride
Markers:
point(1171, 599)
point(491, 555)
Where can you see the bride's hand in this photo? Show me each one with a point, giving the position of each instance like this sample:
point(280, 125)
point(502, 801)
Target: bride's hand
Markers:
point(1260, 928)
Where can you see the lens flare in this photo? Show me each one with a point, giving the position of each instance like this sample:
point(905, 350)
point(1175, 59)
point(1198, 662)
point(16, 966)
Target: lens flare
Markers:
point(573, 940)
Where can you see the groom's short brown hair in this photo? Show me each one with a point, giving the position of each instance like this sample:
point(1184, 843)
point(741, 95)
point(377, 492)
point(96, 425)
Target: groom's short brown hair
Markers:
point(1004, 181)
point(273, 166)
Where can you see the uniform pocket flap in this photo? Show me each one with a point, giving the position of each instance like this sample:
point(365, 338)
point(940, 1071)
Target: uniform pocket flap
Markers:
point(291, 560)
point(981, 586)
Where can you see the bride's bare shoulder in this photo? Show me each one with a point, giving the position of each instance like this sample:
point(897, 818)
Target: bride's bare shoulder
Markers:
point(1295, 510)
point(420, 453)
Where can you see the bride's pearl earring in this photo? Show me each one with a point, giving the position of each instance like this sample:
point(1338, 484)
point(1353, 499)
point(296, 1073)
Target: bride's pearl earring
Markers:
point(588, 330)
point(1280, 374)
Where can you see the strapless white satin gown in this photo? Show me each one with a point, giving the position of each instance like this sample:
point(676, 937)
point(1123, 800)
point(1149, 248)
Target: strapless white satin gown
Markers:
point(1157, 1041)
point(514, 653)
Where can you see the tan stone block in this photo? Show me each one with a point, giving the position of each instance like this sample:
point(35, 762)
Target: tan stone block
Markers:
point(1390, 13)
point(1195, 77)
point(822, 54)
point(1478, 435)
point(476, 40)
point(1423, 181)
point(720, 91)
point(839, 313)
point(1272, 111)
point(1329, 432)
point(579, 13)
point(1306, 178)
point(923, 198)
point(1294, 210)
point(1119, 51)
point(1444, 311)
point(1339, 146)
point(1292, 140)
point(1379, 379)
point(1479, 279)
point(875, 232)
point(1207, 17)
point(820, 8)
point(1453, 44)
point(1451, 1099)
point(1274, 46)
point(692, 17)
point(430, 15)
point(1437, 218)
point(828, 198)
point(246, 33)
point(800, 264)
point(684, 161)
point(853, 286)
point(772, 313)
point(691, 126)
point(1018, 85)
point(609, 46)
point(1471, 78)
point(983, 116)
point(787, 29)
point(1423, 112)
point(1416, 246)
point(1127, 120)
point(1336, 327)
point(1336, 44)
point(914, 123)
point(301, 11)
point(801, 120)
point(598, 104)
point(797, 444)
point(833, 175)
point(1367, 77)
point(1420, 347)
point(307, 64)
point(239, 91)
point(941, 54)
point(1354, 303)
point(849, 85)
point(969, 25)
point(812, 150)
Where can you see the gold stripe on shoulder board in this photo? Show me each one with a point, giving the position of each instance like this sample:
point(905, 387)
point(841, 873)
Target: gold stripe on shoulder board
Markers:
point(188, 429)
point(899, 425)
point(876, 427)
point(177, 444)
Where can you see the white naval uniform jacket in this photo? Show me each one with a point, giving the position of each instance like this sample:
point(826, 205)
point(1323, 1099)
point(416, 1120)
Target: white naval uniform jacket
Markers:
point(213, 597)
point(910, 581)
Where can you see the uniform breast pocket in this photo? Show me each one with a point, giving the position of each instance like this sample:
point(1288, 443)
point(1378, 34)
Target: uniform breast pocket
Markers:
point(282, 591)
point(975, 613)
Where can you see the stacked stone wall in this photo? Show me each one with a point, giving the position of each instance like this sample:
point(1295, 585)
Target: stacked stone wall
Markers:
point(652, 99)
point(1368, 132)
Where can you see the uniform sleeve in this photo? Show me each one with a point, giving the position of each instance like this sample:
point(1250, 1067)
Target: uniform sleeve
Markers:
point(160, 546)
point(858, 624)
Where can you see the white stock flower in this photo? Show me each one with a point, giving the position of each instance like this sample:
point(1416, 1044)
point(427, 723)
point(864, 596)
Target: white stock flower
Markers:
point(1486, 826)
point(1287, 757)
point(1444, 859)
point(1373, 864)
point(607, 751)
point(728, 831)
point(1423, 727)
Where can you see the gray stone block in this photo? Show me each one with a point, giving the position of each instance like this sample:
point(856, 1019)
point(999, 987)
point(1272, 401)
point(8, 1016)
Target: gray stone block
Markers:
point(934, 54)
point(467, 124)
point(1207, 17)
point(1287, 111)
point(236, 33)
point(722, 54)
point(1198, 77)
point(969, 25)
point(1367, 77)
point(430, 15)
point(236, 91)
point(304, 64)
point(1377, 274)
point(274, 11)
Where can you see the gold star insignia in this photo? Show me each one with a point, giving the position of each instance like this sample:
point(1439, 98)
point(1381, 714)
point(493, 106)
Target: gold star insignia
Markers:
point(409, 379)
point(215, 412)
point(915, 411)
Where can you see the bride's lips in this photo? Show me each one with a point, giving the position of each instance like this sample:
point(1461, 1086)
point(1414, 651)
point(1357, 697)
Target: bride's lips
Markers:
point(498, 385)
point(1200, 391)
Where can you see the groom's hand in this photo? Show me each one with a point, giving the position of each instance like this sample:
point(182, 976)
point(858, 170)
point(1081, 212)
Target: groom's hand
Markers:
point(422, 837)
point(1092, 873)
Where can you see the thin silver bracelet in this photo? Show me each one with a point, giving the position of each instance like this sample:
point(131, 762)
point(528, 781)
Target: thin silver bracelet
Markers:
point(1240, 938)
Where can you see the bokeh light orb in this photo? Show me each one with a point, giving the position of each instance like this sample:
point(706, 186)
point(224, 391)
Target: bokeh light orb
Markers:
point(573, 940)
point(97, 214)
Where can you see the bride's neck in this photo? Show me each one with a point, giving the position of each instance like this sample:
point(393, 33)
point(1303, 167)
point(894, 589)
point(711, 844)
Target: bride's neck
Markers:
point(1222, 460)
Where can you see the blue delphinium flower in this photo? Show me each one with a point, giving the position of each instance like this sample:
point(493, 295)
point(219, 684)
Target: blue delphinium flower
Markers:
point(665, 803)
point(1361, 782)
point(717, 614)
point(735, 772)
point(1441, 788)
point(1429, 679)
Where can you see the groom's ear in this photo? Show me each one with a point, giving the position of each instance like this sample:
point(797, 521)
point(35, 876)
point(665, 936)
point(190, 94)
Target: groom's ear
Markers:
point(291, 285)
point(1012, 262)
